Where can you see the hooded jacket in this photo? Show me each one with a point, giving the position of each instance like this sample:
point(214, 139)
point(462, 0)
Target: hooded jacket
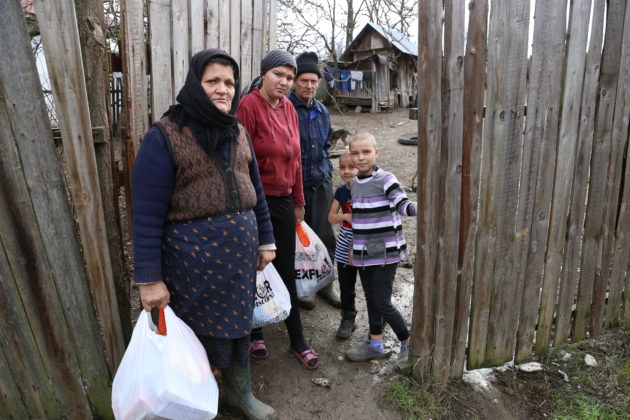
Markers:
point(315, 137)
point(276, 138)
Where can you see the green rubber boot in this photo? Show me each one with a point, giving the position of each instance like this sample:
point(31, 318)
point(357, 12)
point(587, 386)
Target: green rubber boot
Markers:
point(237, 394)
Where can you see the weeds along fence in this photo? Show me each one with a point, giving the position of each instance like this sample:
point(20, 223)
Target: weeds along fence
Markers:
point(64, 287)
point(523, 213)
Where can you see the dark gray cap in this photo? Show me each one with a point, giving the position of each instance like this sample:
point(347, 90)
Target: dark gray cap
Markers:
point(275, 58)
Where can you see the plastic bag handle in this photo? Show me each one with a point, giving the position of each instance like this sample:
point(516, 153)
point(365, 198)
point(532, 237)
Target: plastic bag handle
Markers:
point(302, 235)
point(161, 330)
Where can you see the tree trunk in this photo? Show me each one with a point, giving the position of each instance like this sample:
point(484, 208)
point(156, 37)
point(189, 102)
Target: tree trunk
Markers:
point(350, 23)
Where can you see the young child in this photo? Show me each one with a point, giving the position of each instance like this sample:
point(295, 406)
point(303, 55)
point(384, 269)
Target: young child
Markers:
point(347, 273)
point(378, 244)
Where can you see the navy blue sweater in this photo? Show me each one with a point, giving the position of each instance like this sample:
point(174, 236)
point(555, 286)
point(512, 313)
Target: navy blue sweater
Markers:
point(152, 186)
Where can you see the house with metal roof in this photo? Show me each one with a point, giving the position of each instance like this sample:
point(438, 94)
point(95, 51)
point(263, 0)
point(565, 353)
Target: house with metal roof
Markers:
point(379, 71)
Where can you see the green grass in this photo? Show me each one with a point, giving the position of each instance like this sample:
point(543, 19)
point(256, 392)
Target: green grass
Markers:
point(594, 393)
point(414, 400)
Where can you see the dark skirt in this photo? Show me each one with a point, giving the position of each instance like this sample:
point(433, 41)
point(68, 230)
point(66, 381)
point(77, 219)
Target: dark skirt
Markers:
point(209, 267)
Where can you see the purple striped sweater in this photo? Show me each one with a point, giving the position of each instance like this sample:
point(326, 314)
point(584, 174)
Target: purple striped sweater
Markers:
point(378, 201)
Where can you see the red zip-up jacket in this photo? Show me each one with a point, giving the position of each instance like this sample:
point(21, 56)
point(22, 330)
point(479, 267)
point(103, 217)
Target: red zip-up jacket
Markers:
point(275, 135)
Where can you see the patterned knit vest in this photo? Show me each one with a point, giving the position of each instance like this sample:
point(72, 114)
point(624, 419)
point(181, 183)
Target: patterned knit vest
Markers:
point(204, 185)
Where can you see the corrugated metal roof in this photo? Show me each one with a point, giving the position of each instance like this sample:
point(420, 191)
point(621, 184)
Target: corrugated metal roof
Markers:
point(397, 39)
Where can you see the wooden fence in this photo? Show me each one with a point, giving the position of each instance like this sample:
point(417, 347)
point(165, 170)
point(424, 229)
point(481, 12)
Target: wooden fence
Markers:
point(64, 292)
point(177, 29)
point(523, 213)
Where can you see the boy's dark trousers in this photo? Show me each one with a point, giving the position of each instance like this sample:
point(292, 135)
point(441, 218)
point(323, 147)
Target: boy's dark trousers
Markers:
point(377, 281)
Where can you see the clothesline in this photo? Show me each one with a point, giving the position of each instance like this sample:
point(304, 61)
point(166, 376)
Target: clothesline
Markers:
point(347, 80)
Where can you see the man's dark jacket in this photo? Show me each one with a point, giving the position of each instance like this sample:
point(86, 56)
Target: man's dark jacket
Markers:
point(315, 136)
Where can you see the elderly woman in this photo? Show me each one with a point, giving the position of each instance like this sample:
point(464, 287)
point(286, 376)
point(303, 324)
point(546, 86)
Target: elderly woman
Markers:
point(201, 225)
point(272, 123)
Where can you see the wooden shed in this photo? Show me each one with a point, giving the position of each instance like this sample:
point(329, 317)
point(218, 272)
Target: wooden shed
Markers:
point(379, 70)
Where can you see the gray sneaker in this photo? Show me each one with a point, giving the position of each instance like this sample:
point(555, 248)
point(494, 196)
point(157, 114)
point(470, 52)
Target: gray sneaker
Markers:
point(364, 352)
point(403, 356)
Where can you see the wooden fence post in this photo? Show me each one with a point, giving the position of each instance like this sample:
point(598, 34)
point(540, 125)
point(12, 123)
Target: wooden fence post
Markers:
point(181, 47)
point(450, 188)
point(96, 67)
point(565, 167)
point(613, 291)
point(571, 257)
point(61, 39)
point(474, 80)
point(590, 266)
point(499, 184)
point(160, 41)
point(135, 70)
point(541, 134)
point(52, 354)
point(430, 131)
point(507, 136)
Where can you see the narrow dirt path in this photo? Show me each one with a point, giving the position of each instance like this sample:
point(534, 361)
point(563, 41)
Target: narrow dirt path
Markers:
point(354, 388)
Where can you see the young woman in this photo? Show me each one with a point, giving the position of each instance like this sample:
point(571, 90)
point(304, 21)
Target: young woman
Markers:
point(272, 123)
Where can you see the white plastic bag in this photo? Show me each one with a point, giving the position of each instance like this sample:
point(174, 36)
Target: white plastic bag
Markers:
point(273, 302)
point(164, 376)
point(313, 266)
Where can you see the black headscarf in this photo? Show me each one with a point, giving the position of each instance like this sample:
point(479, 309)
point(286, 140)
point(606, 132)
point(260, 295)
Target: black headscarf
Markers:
point(211, 127)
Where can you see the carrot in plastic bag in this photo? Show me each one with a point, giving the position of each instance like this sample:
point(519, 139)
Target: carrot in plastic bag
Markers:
point(302, 235)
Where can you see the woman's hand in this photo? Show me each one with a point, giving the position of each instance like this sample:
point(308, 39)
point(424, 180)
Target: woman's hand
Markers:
point(299, 214)
point(264, 258)
point(154, 295)
point(347, 217)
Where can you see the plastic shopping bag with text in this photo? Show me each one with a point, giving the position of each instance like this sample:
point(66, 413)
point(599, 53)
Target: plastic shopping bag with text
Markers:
point(272, 303)
point(313, 266)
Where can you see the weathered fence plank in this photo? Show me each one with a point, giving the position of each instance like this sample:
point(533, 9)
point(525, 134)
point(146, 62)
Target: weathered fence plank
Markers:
point(258, 35)
point(161, 63)
point(429, 130)
point(180, 43)
point(135, 70)
point(539, 145)
point(91, 24)
point(621, 260)
point(508, 136)
point(592, 241)
point(489, 184)
point(571, 258)
point(451, 164)
point(25, 365)
point(246, 28)
point(212, 24)
point(474, 78)
point(620, 141)
point(273, 12)
point(28, 123)
point(61, 39)
point(565, 167)
point(224, 25)
point(197, 29)
point(35, 323)
point(11, 403)
point(235, 30)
